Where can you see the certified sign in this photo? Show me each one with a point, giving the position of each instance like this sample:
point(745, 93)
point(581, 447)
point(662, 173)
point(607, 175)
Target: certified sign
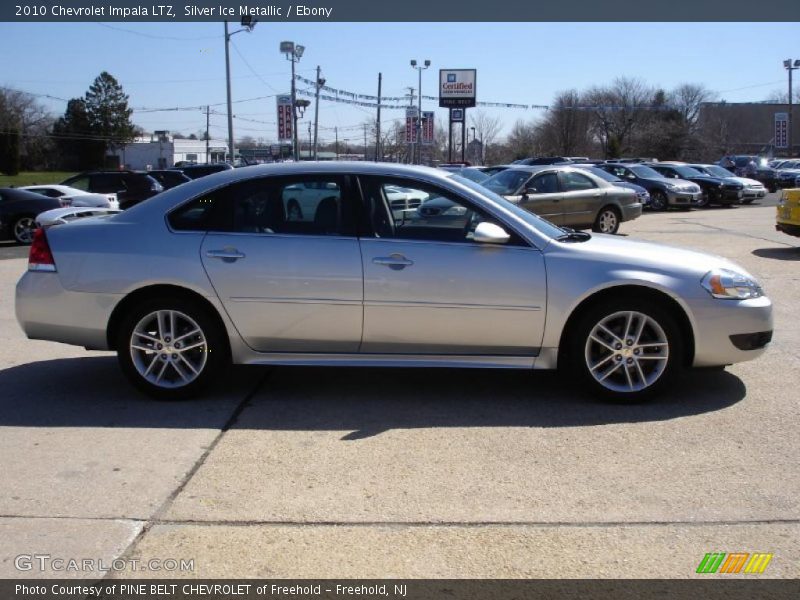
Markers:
point(457, 88)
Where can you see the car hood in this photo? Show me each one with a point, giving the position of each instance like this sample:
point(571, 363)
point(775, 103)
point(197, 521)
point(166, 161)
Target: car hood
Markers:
point(637, 254)
point(746, 181)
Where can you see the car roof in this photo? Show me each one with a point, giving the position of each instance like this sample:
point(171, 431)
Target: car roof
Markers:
point(23, 194)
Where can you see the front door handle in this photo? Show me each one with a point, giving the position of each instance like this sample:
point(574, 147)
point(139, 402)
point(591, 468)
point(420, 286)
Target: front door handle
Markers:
point(395, 261)
point(226, 254)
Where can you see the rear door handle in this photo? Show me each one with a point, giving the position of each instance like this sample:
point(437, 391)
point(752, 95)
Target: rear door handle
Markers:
point(395, 261)
point(226, 254)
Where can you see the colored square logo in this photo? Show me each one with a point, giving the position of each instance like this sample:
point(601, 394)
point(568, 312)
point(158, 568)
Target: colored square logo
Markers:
point(451, 78)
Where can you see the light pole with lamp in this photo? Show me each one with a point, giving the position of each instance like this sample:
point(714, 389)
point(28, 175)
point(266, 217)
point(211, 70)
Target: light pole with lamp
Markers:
point(419, 69)
point(320, 83)
point(293, 52)
point(248, 23)
point(790, 66)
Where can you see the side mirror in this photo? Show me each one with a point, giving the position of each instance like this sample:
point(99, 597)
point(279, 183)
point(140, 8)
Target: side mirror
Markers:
point(489, 233)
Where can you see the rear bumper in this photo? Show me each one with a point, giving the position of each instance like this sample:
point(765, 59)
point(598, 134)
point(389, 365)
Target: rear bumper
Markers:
point(46, 311)
point(788, 228)
point(631, 211)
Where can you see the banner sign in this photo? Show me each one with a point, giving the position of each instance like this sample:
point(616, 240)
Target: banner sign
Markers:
point(457, 88)
point(285, 122)
point(427, 127)
point(781, 130)
point(411, 125)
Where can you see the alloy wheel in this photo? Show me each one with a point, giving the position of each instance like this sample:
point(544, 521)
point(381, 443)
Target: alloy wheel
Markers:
point(23, 230)
point(168, 349)
point(627, 351)
point(608, 222)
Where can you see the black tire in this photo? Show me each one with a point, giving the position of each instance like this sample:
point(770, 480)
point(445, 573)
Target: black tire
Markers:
point(579, 353)
point(772, 189)
point(293, 207)
point(216, 351)
point(608, 220)
point(658, 200)
point(22, 229)
point(748, 201)
point(705, 201)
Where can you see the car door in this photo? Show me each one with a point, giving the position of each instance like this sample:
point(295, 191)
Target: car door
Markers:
point(429, 288)
point(543, 196)
point(581, 200)
point(287, 286)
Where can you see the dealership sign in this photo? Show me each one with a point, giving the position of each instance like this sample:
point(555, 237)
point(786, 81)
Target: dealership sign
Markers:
point(781, 130)
point(411, 126)
point(427, 127)
point(457, 88)
point(284, 118)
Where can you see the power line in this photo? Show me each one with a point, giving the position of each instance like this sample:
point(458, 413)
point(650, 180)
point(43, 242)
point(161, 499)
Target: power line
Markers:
point(159, 37)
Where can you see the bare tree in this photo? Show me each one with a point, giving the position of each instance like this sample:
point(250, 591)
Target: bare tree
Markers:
point(486, 129)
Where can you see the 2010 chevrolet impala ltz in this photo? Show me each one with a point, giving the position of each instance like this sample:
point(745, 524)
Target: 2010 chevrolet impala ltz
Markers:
point(225, 268)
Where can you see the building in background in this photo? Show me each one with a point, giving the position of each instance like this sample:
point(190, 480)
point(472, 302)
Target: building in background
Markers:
point(161, 151)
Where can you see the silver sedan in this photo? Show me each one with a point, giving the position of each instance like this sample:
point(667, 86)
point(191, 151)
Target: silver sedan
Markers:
point(215, 271)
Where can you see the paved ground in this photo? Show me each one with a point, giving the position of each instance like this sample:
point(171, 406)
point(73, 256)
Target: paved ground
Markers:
point(301, 472)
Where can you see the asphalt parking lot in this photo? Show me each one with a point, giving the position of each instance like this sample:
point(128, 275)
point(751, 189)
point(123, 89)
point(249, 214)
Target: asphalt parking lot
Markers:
point(303, 472)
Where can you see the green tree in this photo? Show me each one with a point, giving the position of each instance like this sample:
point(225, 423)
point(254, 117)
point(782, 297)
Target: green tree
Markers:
point(78, 146)
point(108, 113)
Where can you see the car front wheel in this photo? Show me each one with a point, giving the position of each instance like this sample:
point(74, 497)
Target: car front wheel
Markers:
point(626, 351)
point(658, 200)
point(171, 348)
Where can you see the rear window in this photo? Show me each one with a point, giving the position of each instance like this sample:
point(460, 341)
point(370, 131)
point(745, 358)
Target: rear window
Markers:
point(195, 215)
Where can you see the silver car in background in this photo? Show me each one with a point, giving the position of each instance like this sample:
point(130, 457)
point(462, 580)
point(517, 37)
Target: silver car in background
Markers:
point(567, 196)
point(215, 271)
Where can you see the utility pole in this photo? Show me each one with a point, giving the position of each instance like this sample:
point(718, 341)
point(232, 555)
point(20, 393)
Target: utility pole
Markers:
point(320, 83)
point(336, 132)
point(410, 150)
point(309, 139)
point(231, 151)
point(208, 141)
point(365, 141)
point(378, 125)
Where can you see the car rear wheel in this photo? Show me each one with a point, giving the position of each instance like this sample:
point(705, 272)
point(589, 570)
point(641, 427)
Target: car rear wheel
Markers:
point(626, 350)
point(171, 348)
point(607, 220)
point(23, 230)
point(658, 200)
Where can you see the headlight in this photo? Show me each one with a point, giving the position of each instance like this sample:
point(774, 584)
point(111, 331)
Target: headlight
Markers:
point(670, 186)
point(730, 285)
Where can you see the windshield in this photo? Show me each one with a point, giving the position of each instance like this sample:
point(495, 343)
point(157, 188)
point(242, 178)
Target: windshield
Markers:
point(474, 175)
point(601, 174)
point(717, 170)
point(541, 225)
point(686, 172)
point(507, 182)
point(646, 172)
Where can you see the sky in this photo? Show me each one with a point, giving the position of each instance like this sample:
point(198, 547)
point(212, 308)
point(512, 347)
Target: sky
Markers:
point(178, 65)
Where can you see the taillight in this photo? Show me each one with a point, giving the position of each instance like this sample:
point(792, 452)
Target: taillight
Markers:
point(40, 257)
point(65, 202)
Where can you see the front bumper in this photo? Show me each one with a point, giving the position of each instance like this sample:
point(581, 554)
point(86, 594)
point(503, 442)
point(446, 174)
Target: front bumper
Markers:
point(716, 321)
point(679, 198)
point(47, 311)
point(754, 193)
point(730, 196)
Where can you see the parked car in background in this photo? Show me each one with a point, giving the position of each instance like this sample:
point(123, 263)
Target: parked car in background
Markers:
point(70, 196)
point(542, 160)
point(302, 200)
point(664, 192)
point(169, 178)
point(787, 174)
point(641, 193)
point(212, 272)
point(567, 196)
point(753, 189)
point(472, 173)
point(715, 190)
point(131, 187)
point(788, 217)
point(18, 211)
point(201, 170)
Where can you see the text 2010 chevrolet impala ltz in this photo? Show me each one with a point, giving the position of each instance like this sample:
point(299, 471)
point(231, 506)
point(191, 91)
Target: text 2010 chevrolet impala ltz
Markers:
point(320, 264)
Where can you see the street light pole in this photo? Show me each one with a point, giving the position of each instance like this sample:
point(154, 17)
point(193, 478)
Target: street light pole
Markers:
point(248, 23)
point(790, 66)
point(419, 69)
point(294, 53)
point(320, 83)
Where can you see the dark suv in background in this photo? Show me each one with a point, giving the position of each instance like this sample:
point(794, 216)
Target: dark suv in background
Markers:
point(131, 187)
point(197, 171)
